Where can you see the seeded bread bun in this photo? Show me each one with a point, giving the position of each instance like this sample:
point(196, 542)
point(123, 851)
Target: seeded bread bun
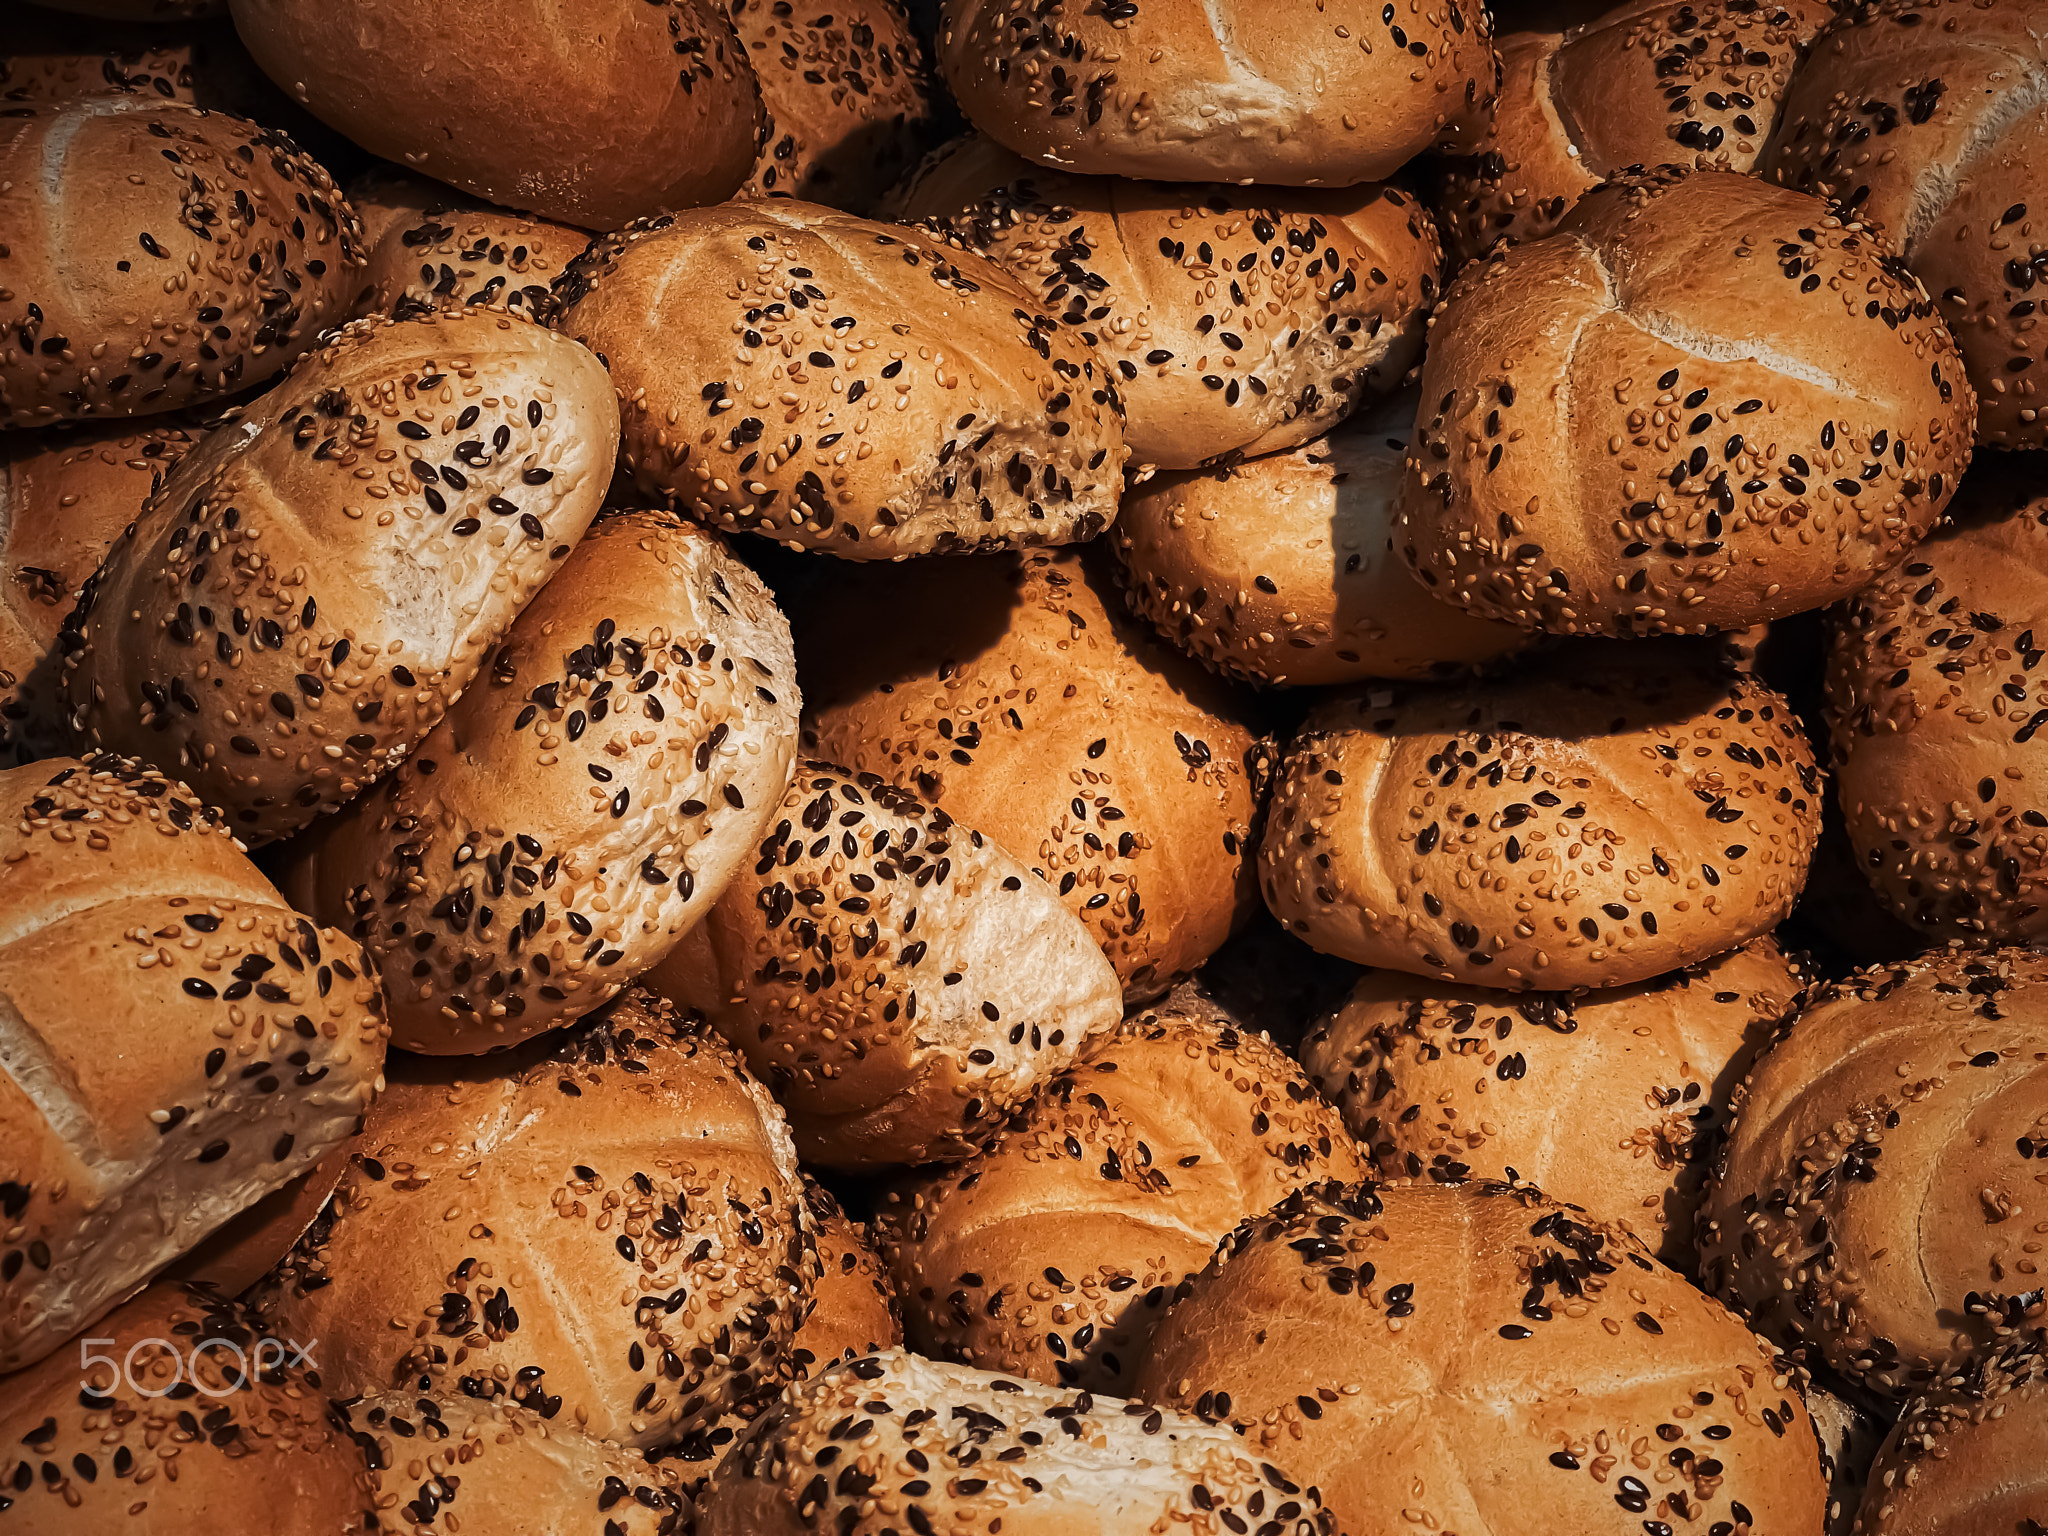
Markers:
point(1174, 283)
point(962, 1451)
point(582, 805)
point(1631, 810)
point(437, 1464)
point(1925, 118)
point(1950, 1470)
point(929, 407)
point(1009, 694)
point(178, 1042)
point(1647, 83)
point(848, 93)
point(1704, 402)
point(412, 484)
point(1283, 570)
point(210, 253)
point(1056, 1251)
point(189, 1419)
point(432, 247)
point(593, 117)
point(1875, 1207)
point(1933, 707)
point(1614, 1100)
point(856, 1312)
point(1489, 1360)
point(608, 1226)
point(1283, 91)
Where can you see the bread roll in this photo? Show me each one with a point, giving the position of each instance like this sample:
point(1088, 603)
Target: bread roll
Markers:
point(582, 805)
point(961, 1450)
point(1282, 569)
point(595, 116)
point(1702, 403)
point(929, 407)
point(1927, 119)
point(440, 1464)
point(345, 554)
point(1630, 810)
point(1875, 1207)
point(1486, 1359)
point(608, 1226)
point(1283, 91)
point(899, 981)
point(1949, 1470)
point(1615, 1100)
point(856, 1311)
point(431, 247)
point(235, 1259)
point(848, 93)
point(1327, 290)
point(1056, 1251)
point(1932, 713)
point(1010, 695)
point(205, 254)
point(176, 1043)
point(1648, 83)
point(181, 1416)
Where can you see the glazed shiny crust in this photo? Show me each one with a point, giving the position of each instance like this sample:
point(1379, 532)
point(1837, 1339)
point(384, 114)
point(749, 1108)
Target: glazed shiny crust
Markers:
point(213, 252)
point(855, 1310)
point(1953, 1470)
point(1876, 1205)
point(552, 1239)
point(1648, 809)
point(1238, 320)
point(899, 981)
point(177, 1042)
point(582, 805)
point(1291, 92)
point(1702, 403)
point(966, 1452)
point(312, 589)
point(931, 407)
point(1380, 1336)
point(1123, 1173)
point(1927, 119)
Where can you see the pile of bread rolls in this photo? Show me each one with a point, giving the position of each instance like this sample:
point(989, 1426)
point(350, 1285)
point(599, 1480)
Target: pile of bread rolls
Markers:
point(1023, 768)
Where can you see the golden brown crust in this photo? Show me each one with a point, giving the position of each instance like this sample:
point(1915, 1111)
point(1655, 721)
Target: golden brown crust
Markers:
point(1702, 403)
point(432, 247)
point(314, 587)
point(856, 1311)
point(928, 409)
point(1952, 1470)
point(1875, 1207)
point(1491, 1358)
point(1008, 693)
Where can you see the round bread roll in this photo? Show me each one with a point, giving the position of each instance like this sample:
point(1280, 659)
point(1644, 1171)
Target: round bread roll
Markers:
point(1282, 569)
point(1932, 714)
point(927, 407)
point(1482, 1358)
point(442, 1464)
point(1927, 118)
point(1293, 92)
point(609, 1226)
point(1610, 820)
point(1173, 283)
point(412, 485)
point(1953, 1470)
point(1014, 698)
point(65, 496)
point(1123, 1173)
point(211, 253)
point(856, 1312)
point(962, 1450)
point(176, 1043)
point(848, 93)
point(818, 963)
point(181, 1416)
point(1614, 1100)
point(1875, 1208)
point(431, 247)
point(1781, 413)
point(1652, 82)
point(594, 116)
point(582, 806)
